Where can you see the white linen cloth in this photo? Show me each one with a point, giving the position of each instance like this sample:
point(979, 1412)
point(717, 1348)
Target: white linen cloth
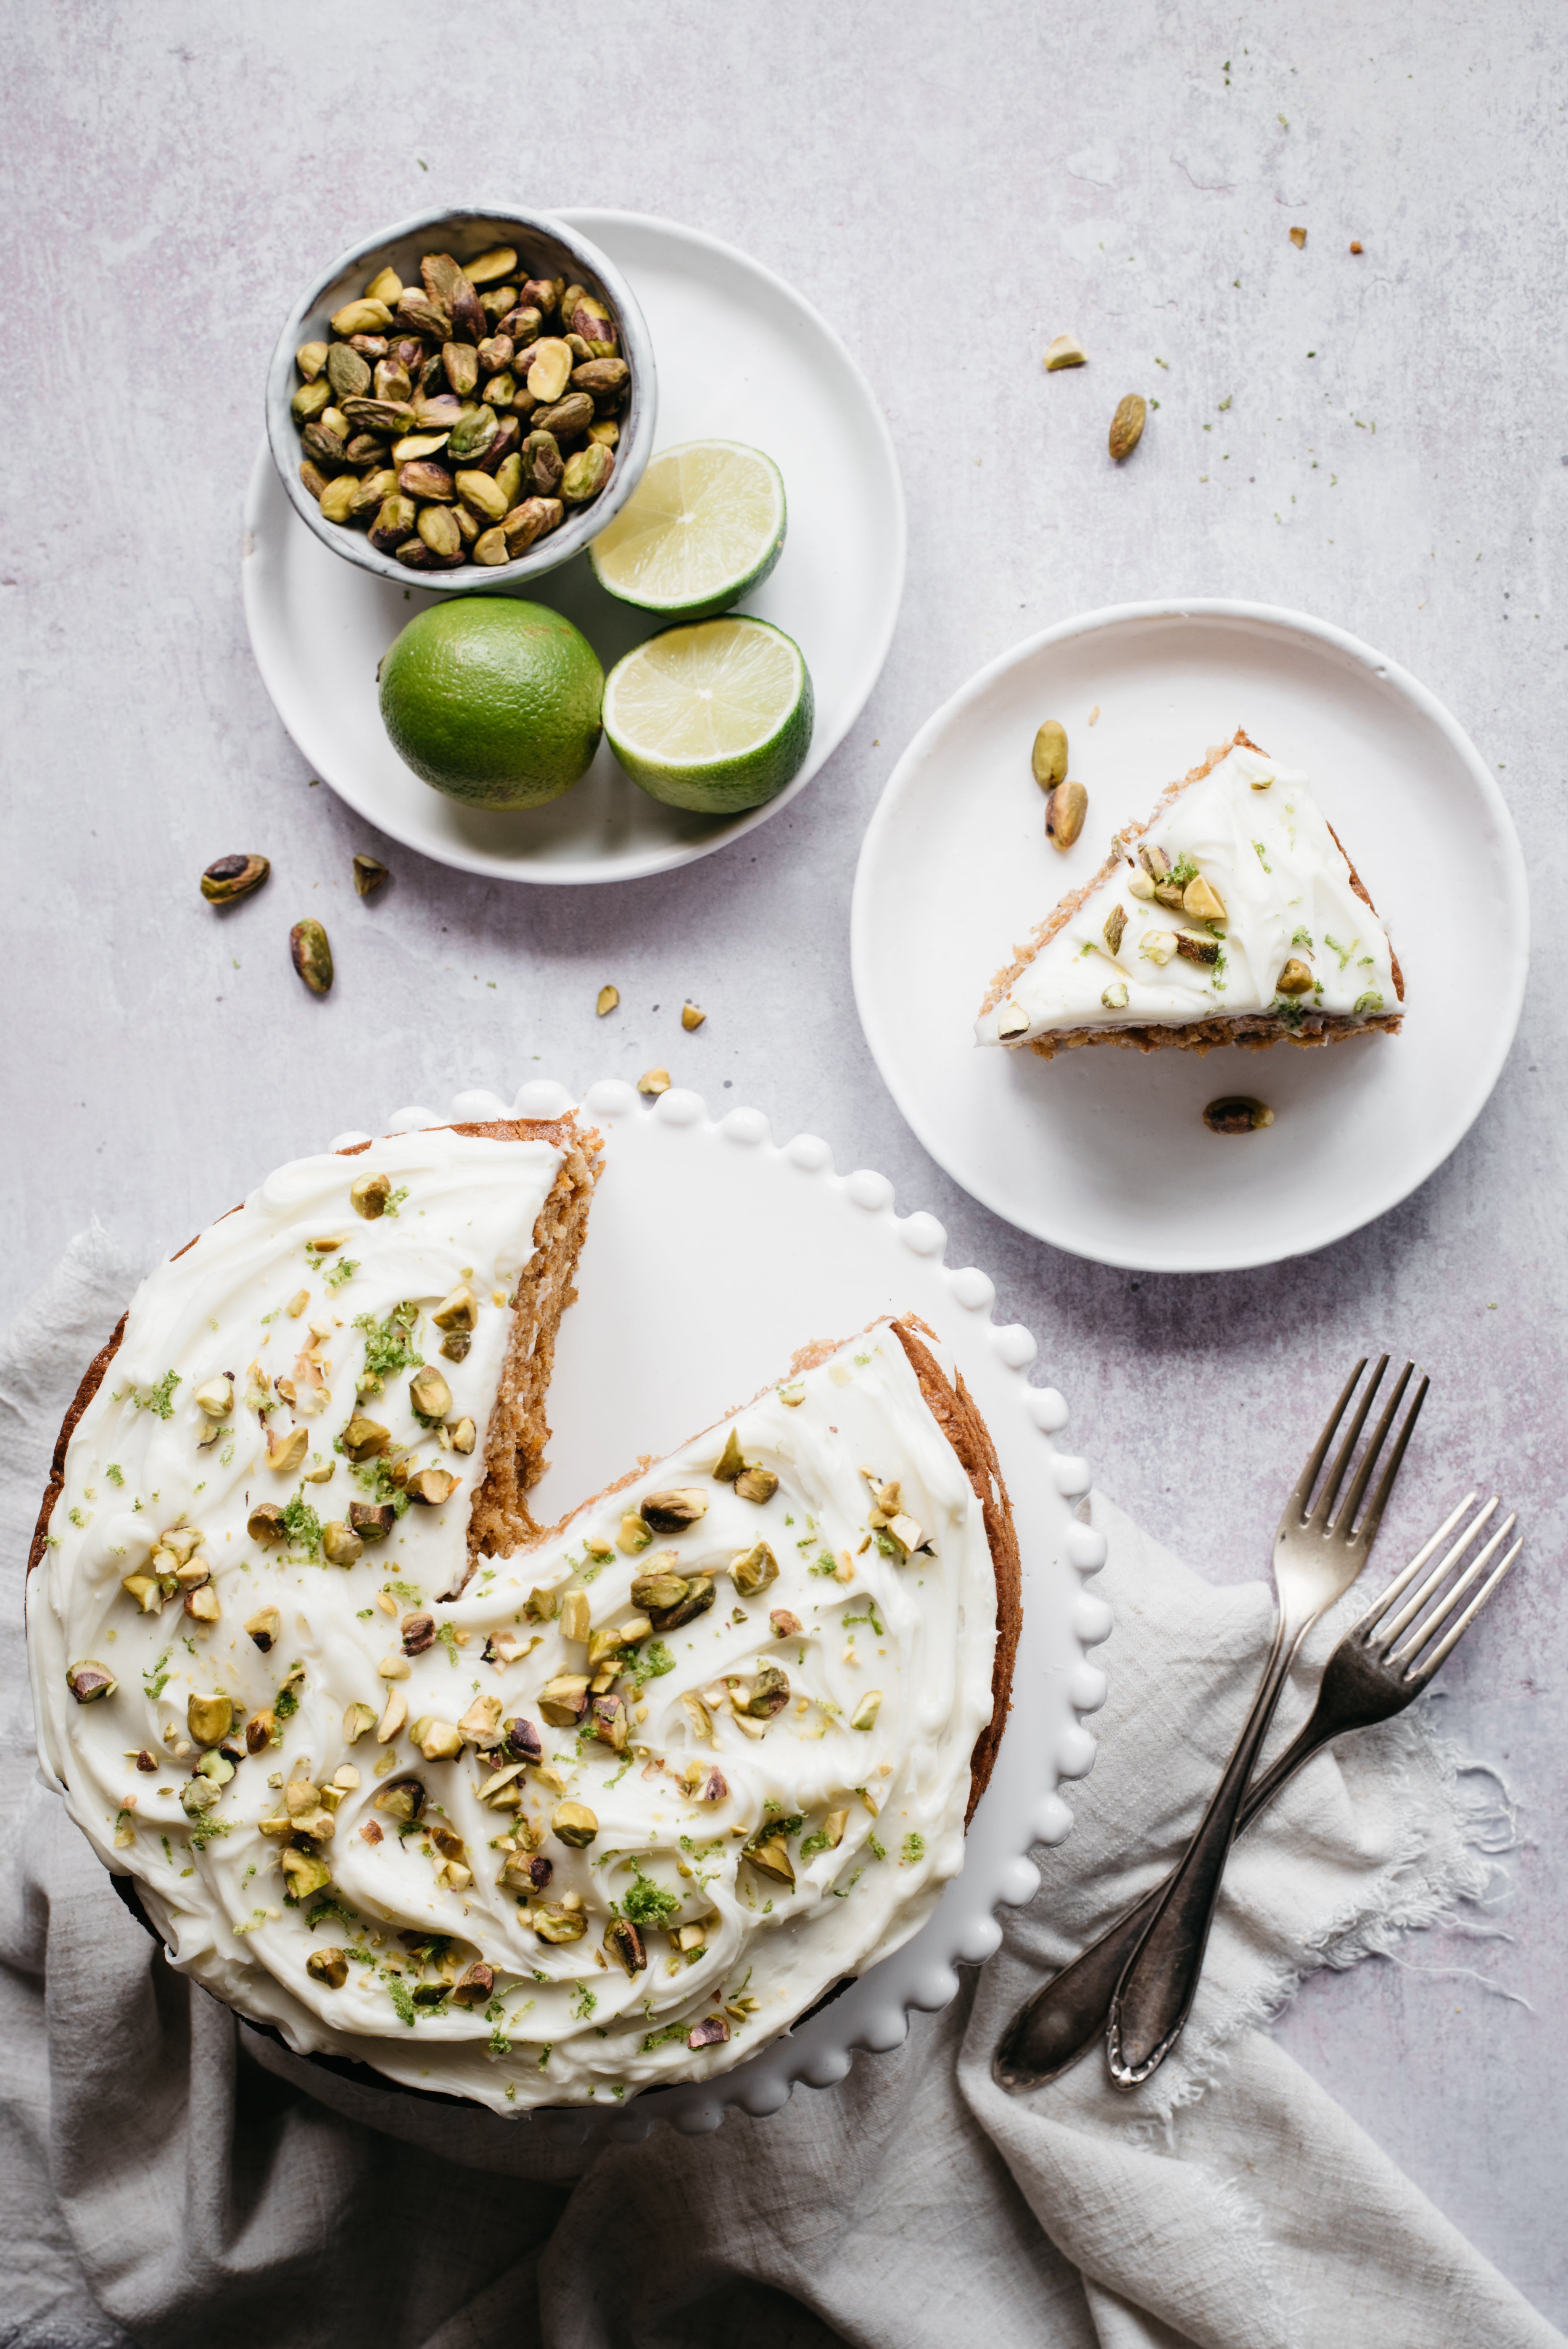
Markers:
point(169, 2177)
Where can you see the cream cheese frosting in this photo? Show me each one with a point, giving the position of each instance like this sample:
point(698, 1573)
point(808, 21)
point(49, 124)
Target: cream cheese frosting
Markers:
point(548, 1841)
point(1252, 833)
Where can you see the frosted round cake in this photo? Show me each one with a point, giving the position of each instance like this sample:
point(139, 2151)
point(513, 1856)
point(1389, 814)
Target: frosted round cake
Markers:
point(530, 1815)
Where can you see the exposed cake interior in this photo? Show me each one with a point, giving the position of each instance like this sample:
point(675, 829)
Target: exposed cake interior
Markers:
point(1233, 915)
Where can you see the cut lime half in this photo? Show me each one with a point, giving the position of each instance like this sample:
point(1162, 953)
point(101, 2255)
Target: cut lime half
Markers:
point(716, 716)
point(705, 523)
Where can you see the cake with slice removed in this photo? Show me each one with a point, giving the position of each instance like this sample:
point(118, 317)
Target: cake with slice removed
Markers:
point(1231, 917)
point(529, 1815)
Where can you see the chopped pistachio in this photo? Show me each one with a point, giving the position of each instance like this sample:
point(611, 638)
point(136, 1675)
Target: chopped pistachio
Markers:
point(608, 997)
point(691, 1017)
point(653, 1081)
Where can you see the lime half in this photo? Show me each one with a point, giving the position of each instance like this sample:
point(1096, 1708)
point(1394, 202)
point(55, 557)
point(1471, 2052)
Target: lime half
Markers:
point(705, 523)
point(715, 716)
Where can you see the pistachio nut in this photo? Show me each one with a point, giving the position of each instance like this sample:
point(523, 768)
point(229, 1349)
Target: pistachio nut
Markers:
point(534, 518)
point(285, 1453)
point(372, 493)
point(395, 520)
point(416, 554)
point(607, 432)
point(490, 547)
point(259, 1729)
point(431, 1487)
point(473, 434)
point(372, 1520)
point(230, 878)
point(419, 1631)
point(754, 1570)
point(416, 314)
point(553, 1921)
point(348, 373)
point(438, 1741)
point(146, 1589)
point(415, 445)
point(590, 318)
point(459, 1310)
point(769, 1694)
point(542, 292)
point(1295, 979)
point(436, 413)
point(329, 1967)
point(266, 1522)
point(402, 1798)
point(304, 1872)
point(1066, 351)
point(698, 1599)
point(783, 1624)
point(865, 1714)
point(397, 1707)
point(366, 317)
point(441, 277)
point(428, 1395)
point(363, 1439)
point(508, 475)
point(543, 463)
point(575, 1616)
point(209, 1719)
point(311, 400)
point(1203, 901)
point(564, 1700)
point(310, 358)
point(340, 1545)
point(1114, 996)
point(265, 1628)
point(1126, 425)
point(198, 1797)
point(356, 1720)
point(671, 1512)
point(499, 262)
point(323, 446)
point(313, 479)
point(522, 1738)
point(476, 1987)
point(1066, 805)
point(635, 1535)
point(586, 474)
point(460, 362)
point(574, 1824)
point(437, 527)
point(1049, 757)
point(659, 1590)
point(391, 382)
point(1236, 1114)
point(1196, 950)
point(1115, 924)
point(385, 286)
point(369, 1194)
point(369, 874)
point(756, 1484)
point(521, 322)
point(495, 352)
point(832, 1827)
point(334, 420)
point(768, 1852)
point(335, 498)
point(423, 479)
point(312, 959)
point(550, 369)
point(625, 1944)
point(601, 378)
point(610, 1725)
point(481, 1725)
point(484, 495)
point(89, 1680)
point(573, 414)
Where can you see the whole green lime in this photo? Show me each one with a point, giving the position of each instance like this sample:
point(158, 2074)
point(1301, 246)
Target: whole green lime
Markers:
point(495, 702)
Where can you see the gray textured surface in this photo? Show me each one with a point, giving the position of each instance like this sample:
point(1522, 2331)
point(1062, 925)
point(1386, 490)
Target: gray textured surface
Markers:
point(952, 188)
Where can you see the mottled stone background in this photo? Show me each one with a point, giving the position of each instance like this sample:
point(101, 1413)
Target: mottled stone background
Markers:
point(949, 185)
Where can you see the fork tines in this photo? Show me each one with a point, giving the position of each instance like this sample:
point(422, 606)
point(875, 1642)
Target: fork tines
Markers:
point(1325, 1517)
point(1431, 1609)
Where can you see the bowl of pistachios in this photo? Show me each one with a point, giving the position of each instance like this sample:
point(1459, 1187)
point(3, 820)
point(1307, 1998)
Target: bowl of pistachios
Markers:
point(465, 399)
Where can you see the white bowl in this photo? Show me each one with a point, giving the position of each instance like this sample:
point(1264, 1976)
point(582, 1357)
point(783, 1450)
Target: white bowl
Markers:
point(549, 246)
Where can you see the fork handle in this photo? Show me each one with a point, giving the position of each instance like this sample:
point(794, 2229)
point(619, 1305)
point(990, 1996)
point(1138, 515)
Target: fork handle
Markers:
point(1155, 1994)
point(1061, 2022)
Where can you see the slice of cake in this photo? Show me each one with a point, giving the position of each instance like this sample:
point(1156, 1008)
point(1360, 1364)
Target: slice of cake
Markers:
point(1232, 916)
point(529, 1816)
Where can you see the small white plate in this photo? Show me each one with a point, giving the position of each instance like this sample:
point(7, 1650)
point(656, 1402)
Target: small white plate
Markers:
point(1105, 1153)
point(740, 358)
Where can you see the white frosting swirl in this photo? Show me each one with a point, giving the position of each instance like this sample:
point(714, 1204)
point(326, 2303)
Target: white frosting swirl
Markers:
point(564, 2022)
point(1253, 829)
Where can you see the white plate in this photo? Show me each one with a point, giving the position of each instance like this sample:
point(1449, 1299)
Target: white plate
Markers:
point(1105, 1153)
point(740, 358)
point(683, 1202)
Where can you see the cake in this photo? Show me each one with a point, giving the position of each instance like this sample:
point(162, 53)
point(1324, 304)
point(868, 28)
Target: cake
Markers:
point(1231, 917)
point(531, 1815)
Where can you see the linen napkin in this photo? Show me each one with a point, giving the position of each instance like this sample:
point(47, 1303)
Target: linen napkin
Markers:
point(167, 2177)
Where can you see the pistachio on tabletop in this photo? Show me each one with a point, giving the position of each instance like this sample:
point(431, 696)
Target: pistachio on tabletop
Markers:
point(420, 402)
point(311, 956)
point(230, 878)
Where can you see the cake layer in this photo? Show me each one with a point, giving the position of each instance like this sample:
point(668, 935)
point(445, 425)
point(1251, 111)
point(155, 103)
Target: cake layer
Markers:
point(1233, 914)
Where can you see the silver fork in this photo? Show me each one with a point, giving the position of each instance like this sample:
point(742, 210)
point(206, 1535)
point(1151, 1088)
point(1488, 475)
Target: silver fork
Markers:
point(1318, 1553)
point(1366, 1681)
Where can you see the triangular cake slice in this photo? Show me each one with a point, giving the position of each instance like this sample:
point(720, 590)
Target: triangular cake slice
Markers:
point(1231, 917)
